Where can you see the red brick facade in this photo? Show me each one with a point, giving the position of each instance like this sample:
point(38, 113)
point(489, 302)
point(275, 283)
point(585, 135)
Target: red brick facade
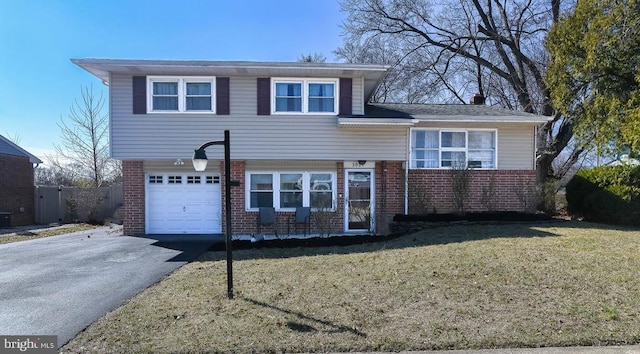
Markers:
point(133, 198)
point(434, 185)
point(245, 222)
point(389, 181)
point(17, 189)
point(510, 187)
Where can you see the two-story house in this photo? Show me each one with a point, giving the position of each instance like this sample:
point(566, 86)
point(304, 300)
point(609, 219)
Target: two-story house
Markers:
point(302, 135)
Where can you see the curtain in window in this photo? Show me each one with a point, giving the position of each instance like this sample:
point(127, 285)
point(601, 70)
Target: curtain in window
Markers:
point(198, 96)
point(165, 88)
point(454, 139)
point(425, 149)
point(321, 98)
point(165, 96)
point(288, 97)
point(482, 145)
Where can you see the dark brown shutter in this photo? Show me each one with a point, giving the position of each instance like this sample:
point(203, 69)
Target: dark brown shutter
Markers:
point(346, 96)
point(222, 95)
point(264, 96)
point(139, 95)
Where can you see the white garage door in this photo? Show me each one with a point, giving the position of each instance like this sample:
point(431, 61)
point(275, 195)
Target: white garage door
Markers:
point(183, 203)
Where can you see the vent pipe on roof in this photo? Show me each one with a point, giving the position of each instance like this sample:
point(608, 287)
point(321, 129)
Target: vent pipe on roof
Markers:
point(477, 99)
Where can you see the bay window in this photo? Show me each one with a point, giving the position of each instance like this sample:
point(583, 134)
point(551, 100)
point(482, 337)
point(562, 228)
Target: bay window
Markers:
point(289, 190)
point(442, 148)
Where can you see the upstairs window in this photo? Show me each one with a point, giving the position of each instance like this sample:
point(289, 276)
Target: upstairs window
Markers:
point(288, 97)
point(181, 94)
point(314, 96)
point(165, 96)
point(432, 148)
point(322, 97)
point(198, 96)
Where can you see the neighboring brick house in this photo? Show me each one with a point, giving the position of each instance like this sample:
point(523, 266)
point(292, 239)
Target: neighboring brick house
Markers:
point(17, 188)
point(302, 135)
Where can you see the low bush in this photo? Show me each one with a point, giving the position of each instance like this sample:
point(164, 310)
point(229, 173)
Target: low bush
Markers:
point(608, 194)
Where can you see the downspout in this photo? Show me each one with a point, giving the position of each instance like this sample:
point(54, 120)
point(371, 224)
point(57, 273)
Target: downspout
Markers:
point(535, 147)
point(406, 173)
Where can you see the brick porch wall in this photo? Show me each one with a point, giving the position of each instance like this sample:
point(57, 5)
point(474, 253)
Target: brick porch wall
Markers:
point(133, 198)
point(389, 184)
point(389, 179)
point(509, 187)
point(17, 190)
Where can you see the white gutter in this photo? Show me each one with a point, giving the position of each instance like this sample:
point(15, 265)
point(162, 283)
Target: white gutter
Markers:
point(376, 122)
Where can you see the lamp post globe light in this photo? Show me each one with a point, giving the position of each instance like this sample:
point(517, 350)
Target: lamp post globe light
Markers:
point(200, 164)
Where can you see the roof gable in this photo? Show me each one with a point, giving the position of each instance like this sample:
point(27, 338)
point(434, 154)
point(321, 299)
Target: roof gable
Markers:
point(9, 148)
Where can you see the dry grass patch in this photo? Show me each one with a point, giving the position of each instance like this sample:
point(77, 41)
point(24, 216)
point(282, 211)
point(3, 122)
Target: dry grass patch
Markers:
point(480, 286)
point(47, 232)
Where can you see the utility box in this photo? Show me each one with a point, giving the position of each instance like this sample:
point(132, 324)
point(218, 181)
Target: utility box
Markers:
point(5, 219)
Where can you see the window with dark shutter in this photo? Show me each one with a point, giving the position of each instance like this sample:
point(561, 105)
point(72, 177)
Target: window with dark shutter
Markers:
point(346, 96)
point(139, 95)
point(222, 96)
point(264, 96)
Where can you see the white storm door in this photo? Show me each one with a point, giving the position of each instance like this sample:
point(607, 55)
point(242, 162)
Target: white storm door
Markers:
point(359, 200)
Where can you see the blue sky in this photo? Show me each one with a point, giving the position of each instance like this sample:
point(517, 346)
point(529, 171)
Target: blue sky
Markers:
point(38, 83)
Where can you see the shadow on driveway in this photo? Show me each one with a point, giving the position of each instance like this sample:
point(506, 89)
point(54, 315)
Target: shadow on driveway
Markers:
point(189, 246)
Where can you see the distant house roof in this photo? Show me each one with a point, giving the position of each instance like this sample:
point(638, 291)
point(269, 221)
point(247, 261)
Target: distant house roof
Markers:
point(9, 148)
point(407, 114)
point(101, 68)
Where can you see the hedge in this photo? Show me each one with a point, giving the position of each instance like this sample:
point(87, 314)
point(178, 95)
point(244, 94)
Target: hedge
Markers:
point(608, 194)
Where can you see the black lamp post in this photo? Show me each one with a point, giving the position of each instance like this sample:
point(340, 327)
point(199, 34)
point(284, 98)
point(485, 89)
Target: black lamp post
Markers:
point(200, 164)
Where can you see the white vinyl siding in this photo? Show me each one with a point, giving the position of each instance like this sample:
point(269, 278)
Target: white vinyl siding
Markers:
point(174, 135)
point(357, 92)
point(516, 144)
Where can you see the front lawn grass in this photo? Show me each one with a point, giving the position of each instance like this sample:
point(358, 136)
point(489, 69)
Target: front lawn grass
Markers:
point(456, 287)
point(46, 232)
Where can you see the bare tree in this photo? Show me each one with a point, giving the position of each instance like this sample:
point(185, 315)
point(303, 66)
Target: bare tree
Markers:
point(451, 50)
point(85, 140)
point(14, 138)
point(312, 58)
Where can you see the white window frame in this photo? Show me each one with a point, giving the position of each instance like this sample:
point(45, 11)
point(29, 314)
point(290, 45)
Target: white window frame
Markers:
point(306, 188)
point(305, 94)
point(182, 82)
point(441, 149)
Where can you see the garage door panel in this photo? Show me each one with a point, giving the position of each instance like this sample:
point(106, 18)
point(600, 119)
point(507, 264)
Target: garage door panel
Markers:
point(190, 204)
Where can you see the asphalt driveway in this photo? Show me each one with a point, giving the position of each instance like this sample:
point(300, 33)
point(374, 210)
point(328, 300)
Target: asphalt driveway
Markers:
point(59, 285)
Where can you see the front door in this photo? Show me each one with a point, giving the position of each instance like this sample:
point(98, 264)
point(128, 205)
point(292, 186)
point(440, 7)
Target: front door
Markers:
point(359, 200)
